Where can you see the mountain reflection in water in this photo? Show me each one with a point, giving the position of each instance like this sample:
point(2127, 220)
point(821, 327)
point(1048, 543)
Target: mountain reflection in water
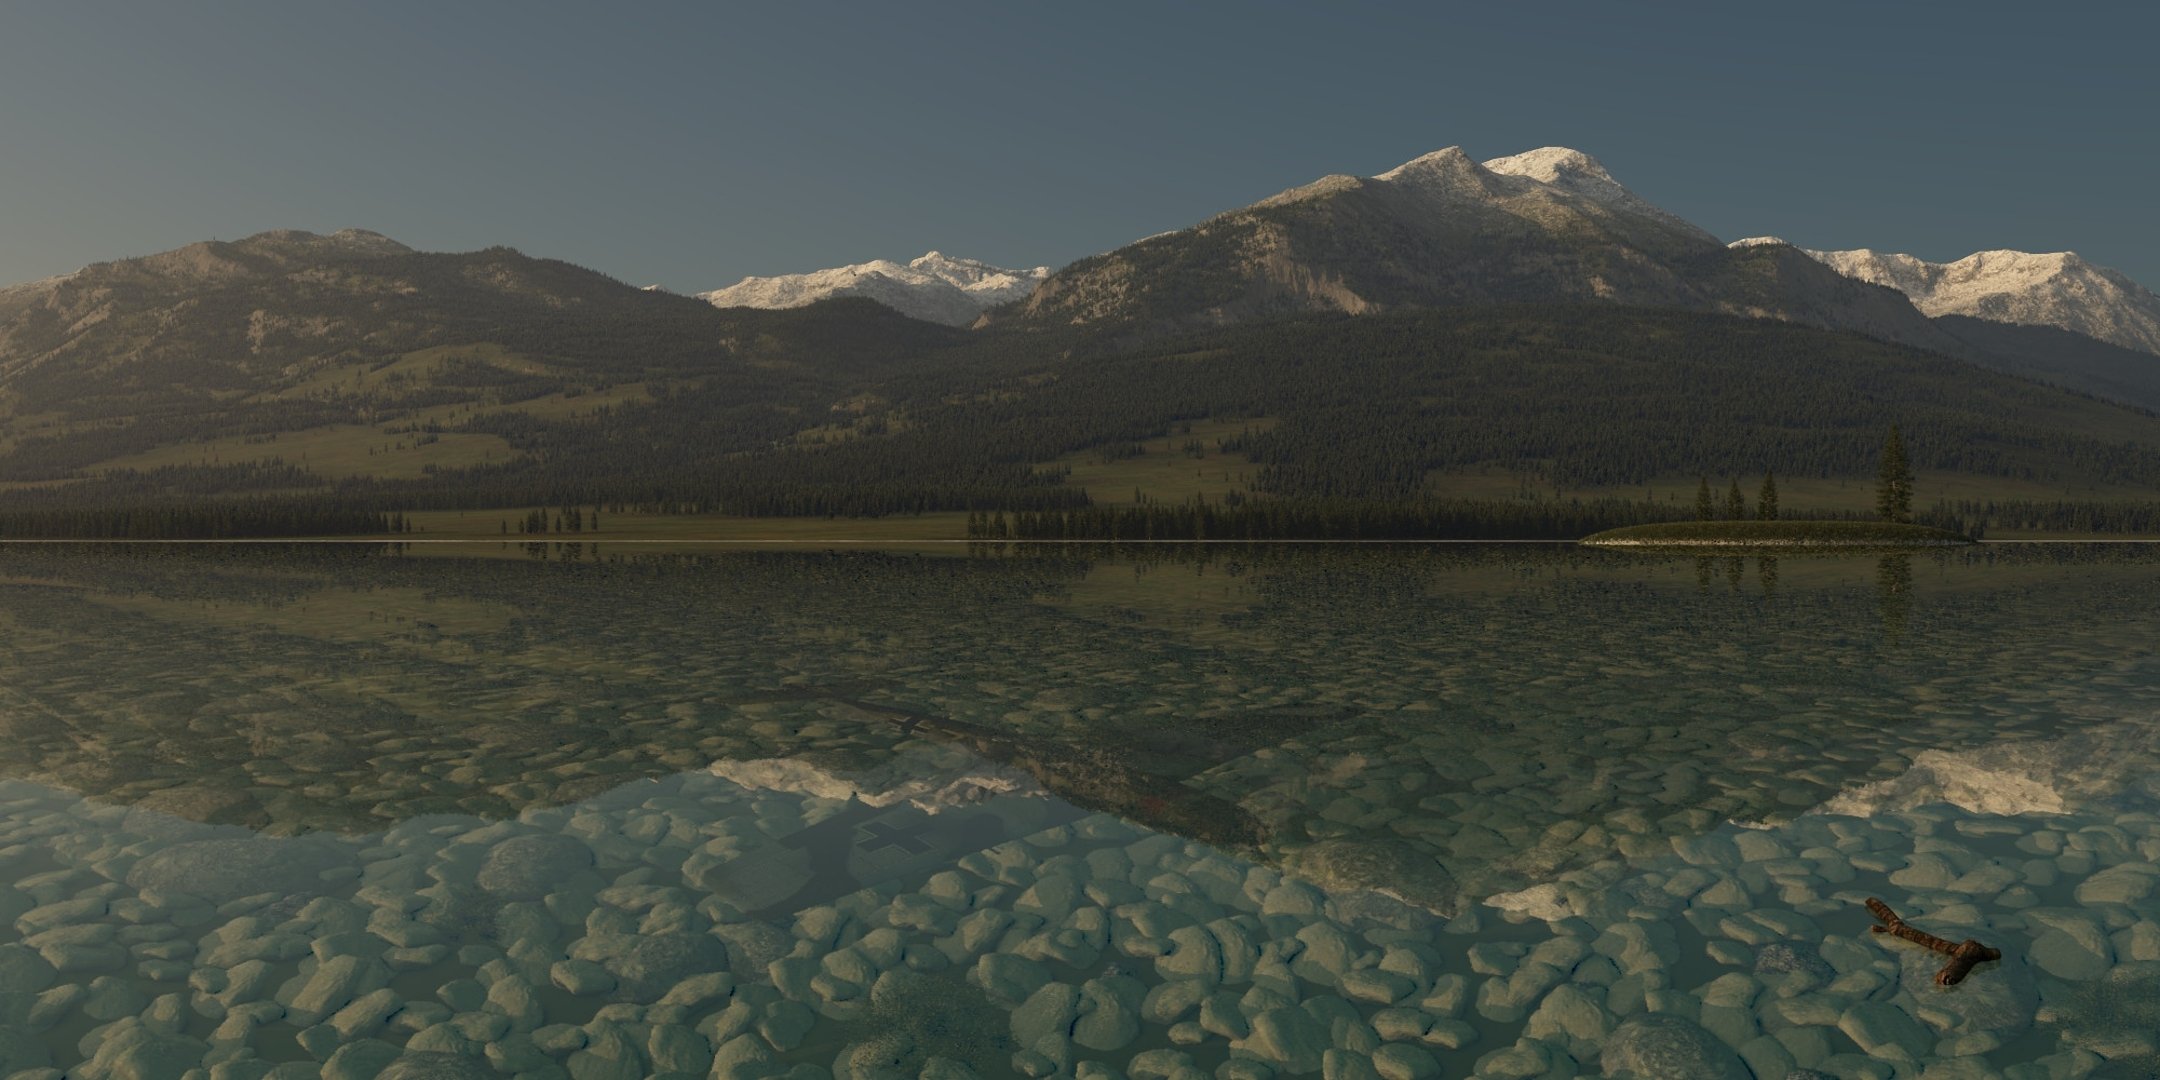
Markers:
point(1390, 710)
point(585, 771)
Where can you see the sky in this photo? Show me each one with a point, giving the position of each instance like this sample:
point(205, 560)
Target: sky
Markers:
point(689, 145)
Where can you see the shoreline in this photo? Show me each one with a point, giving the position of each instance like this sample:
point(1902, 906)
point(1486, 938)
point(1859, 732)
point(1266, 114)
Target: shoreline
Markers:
point(1742, 543)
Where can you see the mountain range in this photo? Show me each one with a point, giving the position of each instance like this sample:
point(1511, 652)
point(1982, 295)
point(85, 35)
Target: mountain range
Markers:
point(1548, 223)
point(1447, 294)
point(935, 287)
point(2057, 289)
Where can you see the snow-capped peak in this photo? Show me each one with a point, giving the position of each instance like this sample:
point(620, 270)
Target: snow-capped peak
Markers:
point(1580, 174)
point(1445, 162)
point(934, 286)
point(974, 275)
point(1760, 241)
point(2057, 288)
point(1554, 165)
point(1572, 174)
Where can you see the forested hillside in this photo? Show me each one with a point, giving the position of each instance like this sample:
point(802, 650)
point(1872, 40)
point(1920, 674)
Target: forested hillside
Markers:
point(1360, 408)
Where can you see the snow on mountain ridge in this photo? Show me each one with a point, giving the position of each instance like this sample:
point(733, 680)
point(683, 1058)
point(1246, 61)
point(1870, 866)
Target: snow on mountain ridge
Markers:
point(934, 286)
point(1577, 172)
point(1451, 171)
point(2058, 288)
point(1446, 162)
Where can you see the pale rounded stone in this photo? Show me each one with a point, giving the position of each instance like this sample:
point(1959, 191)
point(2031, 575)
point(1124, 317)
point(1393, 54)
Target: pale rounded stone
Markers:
point(2124, 884)
point(1195, 954)
point(361, 1059)
point(1168, 1002)
point(1402, 1061)
point(1400, 1024)
point(1339, 1064)
point(1157, 1064)
point(1525, 1060)
point(785, 1024)
point(425, 1065)
point(1328, 953)
point(1886, 1032)
point(1570, 1017)
point(2074, 946)
point(1113, 1020)
point(582, 977)
point(1293, 898)
point(129, 1049)
point(1289, 1037)
point(1376, 986)
point(1009, 979)
point(333, 986)
point(671, 1048)
point(1050, 1010)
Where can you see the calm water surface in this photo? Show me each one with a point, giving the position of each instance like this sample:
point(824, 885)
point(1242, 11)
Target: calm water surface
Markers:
point(1399, 812)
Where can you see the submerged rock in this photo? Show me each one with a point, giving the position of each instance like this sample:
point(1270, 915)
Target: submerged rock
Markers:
point(1997, 998)
point(658, 961)
point(1795, 958)
point(429, 1065)
point(223, 870)
point(1382, 866)
point(530, 867)
point(1660, 1046)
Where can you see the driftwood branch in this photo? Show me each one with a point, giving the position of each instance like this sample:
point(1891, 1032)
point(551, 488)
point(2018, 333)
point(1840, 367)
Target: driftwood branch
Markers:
point(1963, 955)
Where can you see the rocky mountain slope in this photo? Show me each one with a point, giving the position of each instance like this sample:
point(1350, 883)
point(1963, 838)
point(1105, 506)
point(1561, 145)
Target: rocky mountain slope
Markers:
point(354, 336)
point(1550, 225)
point(240, 314)
point(935, 287)
point(2054, 317)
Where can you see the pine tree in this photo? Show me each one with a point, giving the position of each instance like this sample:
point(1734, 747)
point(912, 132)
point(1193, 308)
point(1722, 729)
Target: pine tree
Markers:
point(1735, 503)
point(1894, 481)
point(1766, 503)
point(1703, 511)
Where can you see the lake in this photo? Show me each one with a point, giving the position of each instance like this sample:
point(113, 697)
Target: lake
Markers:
point(1513, 811)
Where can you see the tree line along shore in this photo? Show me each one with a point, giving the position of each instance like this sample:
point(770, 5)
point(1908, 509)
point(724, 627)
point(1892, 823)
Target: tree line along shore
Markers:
point(1231, 516)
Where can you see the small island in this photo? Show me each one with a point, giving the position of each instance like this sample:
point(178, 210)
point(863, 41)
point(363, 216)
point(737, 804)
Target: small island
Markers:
point(1765, 529)
point(1779, 534)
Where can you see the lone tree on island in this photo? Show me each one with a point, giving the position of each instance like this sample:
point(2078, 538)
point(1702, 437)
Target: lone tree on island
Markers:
point(1766, 502)
point(1735, 504)
point(1703, 511)
point(1894, 481)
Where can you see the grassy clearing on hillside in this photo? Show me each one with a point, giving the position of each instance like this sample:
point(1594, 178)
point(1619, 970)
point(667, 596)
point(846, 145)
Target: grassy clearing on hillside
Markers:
point(389, 448)
point(385, 450)
point(335, 452)
point(576, 406)
point(414, 369)
point(1165, 471)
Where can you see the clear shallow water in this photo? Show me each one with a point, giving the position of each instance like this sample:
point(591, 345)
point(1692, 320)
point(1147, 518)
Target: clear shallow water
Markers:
point(1498, 812)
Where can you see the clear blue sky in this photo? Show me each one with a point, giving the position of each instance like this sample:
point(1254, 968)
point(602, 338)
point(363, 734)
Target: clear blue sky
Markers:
point(690, 144)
